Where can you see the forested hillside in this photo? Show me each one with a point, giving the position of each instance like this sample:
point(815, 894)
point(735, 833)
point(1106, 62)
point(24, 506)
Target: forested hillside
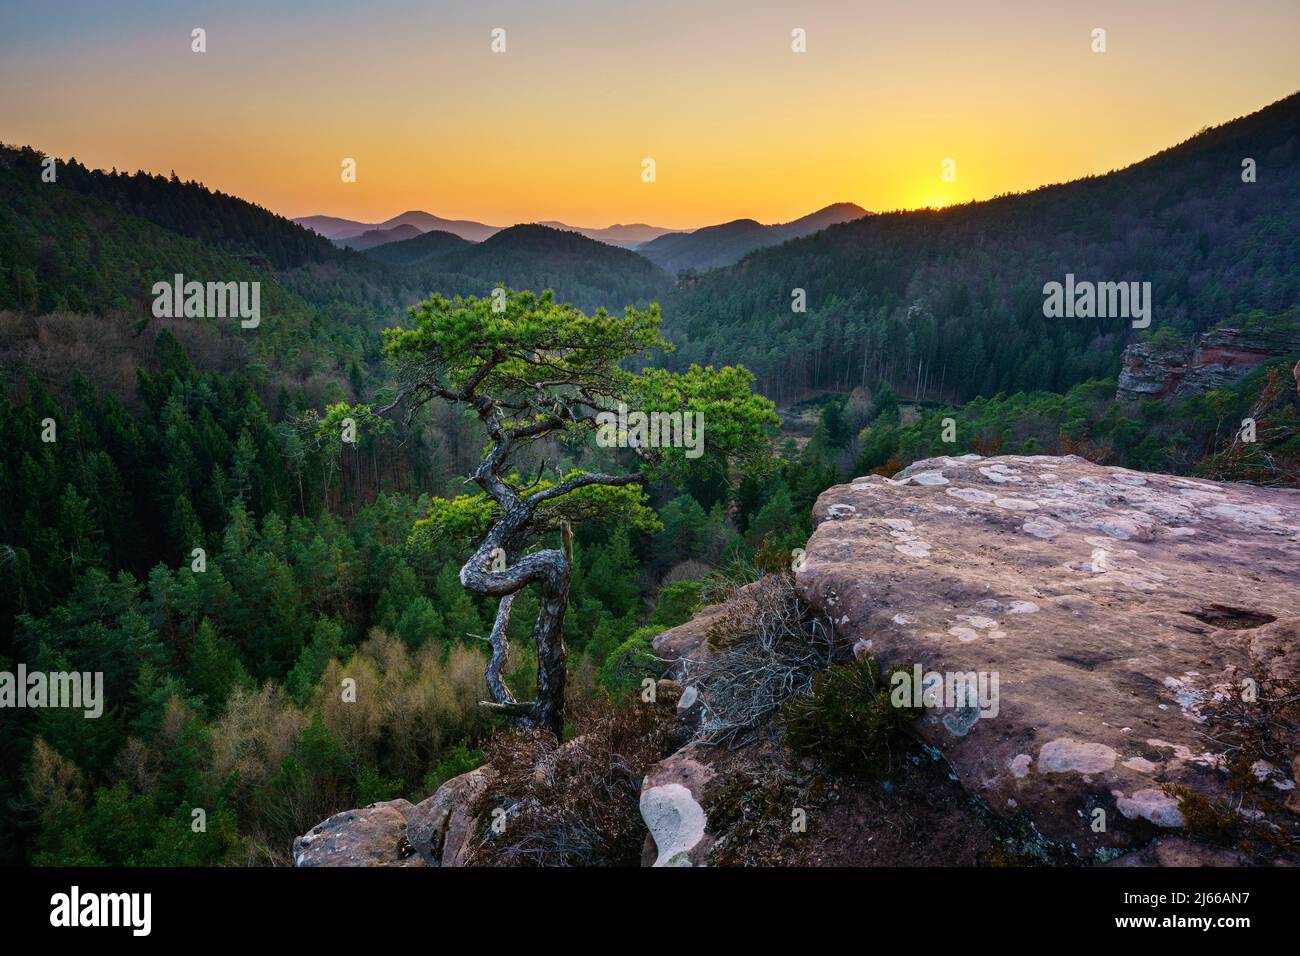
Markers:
point(707, 248)
point(950, 302)
point(378, 237)
point(424, 248)
point(218, 670)
point(588, 273)
point(191, 209)
point(713, 246)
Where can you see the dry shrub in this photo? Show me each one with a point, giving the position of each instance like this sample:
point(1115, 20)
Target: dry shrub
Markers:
point(1249, 734)
point(771, 556)
point(577, 803)
point(1266, 728)
point(749, 813)
point(1097, 454)
point(766, 645)
point(890, 468)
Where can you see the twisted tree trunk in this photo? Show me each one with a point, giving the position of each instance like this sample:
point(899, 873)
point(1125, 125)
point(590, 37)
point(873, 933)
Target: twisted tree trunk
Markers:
point(551, 653)
point(551, 570)
point(500, 651)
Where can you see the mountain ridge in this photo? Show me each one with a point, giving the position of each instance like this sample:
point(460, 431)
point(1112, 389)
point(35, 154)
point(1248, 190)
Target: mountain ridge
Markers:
point(724, 244)
point(339, 230)
point(635, 236)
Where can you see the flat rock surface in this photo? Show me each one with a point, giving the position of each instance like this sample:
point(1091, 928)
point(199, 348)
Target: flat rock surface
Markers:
point(1110, 605)
point(370, 836)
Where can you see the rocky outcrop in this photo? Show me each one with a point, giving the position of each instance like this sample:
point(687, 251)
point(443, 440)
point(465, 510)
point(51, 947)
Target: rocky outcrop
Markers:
point(431, 833)
point(439, 827)
point(1095, 609)
point(1095, 614)
point(1219, 358)
point(1152, 371)
point(372, 836)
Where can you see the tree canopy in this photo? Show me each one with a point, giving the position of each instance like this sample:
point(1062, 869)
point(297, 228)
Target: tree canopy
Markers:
point(534, 370)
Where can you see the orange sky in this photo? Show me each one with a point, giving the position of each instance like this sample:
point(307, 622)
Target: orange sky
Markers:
point(557, 126)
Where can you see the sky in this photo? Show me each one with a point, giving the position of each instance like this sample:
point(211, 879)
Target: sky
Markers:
point(559, 124)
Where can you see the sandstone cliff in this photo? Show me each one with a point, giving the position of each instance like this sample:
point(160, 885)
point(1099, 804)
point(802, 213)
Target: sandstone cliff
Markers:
point(1220, 357)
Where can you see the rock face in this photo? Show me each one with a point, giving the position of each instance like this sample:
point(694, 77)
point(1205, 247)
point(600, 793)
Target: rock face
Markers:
point(1220, 357)
point(431, 833)
point(1094, 609)
point(439, 827)
point(372, 836)
point(1152, 371)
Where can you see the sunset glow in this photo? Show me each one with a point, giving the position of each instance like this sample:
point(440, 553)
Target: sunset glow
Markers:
point(557, 126)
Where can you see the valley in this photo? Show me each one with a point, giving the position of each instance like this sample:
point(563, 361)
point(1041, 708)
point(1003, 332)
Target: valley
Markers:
point(320, 468)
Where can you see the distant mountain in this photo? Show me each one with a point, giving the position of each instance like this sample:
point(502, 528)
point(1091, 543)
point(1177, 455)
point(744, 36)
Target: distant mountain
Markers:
point(580, 270)
point(422, 248)
point(628, 236)
point(427, 222)
point(332, 227)
point(729, 242)
point(378, 237)
point(709, 247)
point(713, 245)
point(339, 230)
point(949, 304)
point(832, 215)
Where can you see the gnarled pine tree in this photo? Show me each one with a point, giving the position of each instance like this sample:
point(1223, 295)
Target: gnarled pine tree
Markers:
point(534, 370)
